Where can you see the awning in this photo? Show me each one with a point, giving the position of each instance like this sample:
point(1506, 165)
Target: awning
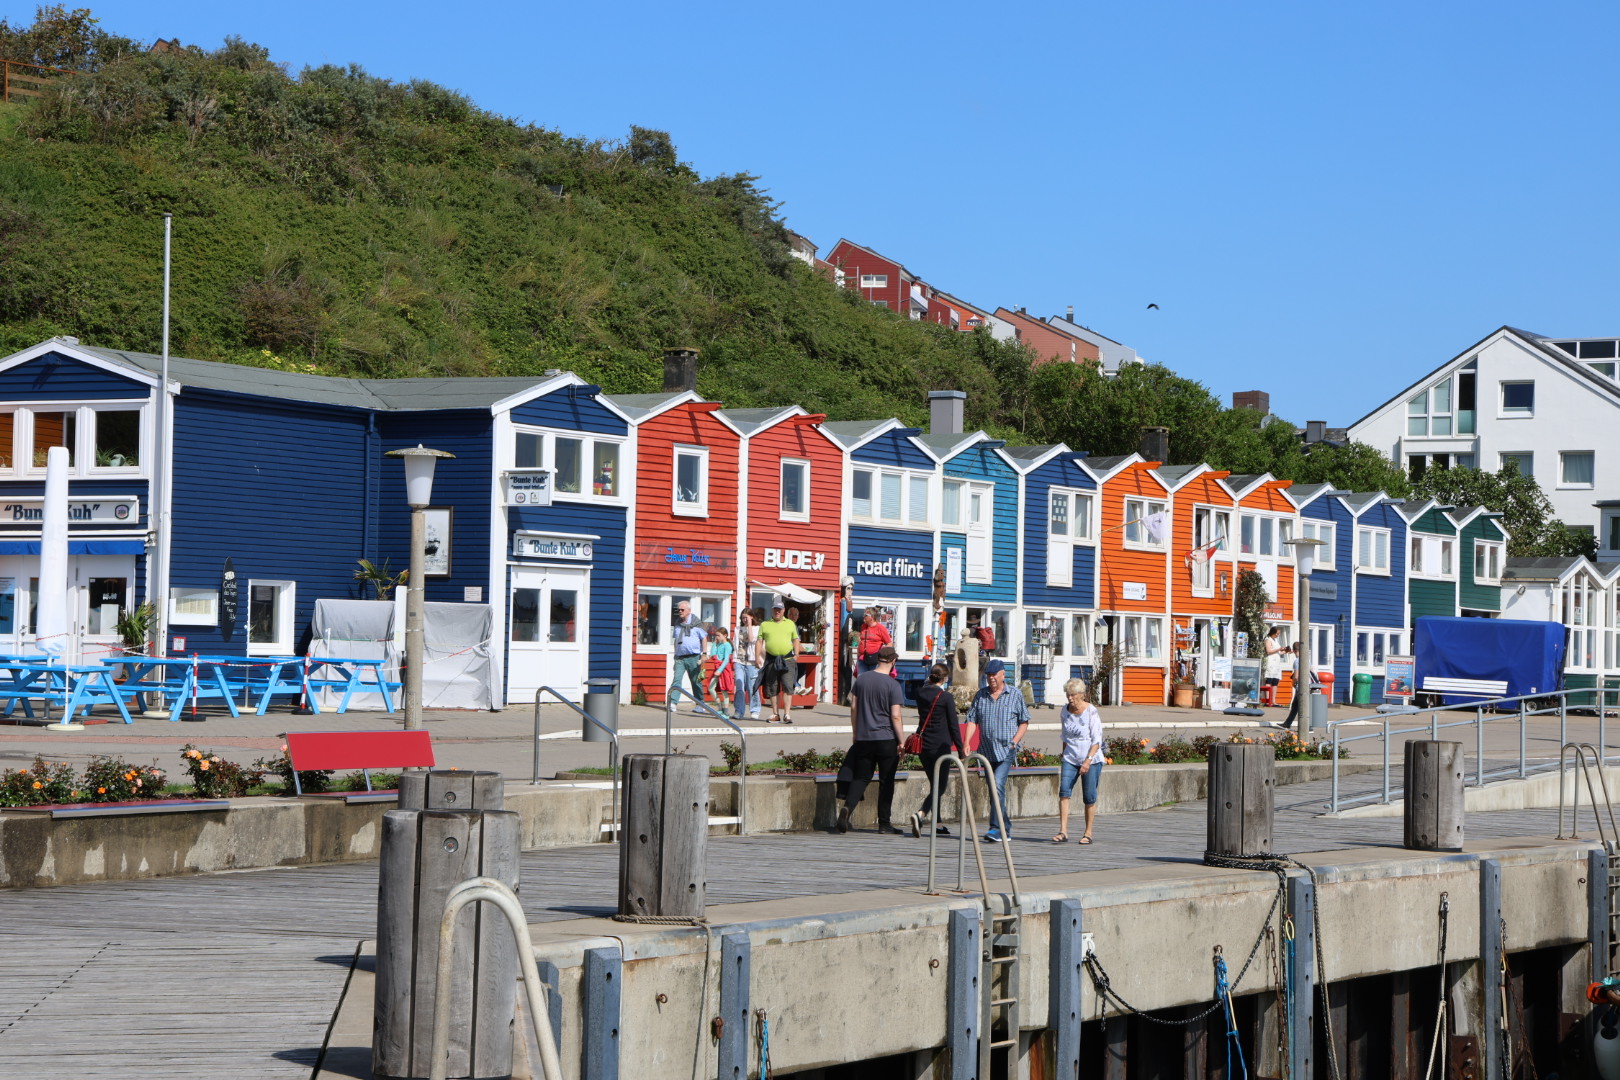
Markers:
point(791, 592)
point(77, 547)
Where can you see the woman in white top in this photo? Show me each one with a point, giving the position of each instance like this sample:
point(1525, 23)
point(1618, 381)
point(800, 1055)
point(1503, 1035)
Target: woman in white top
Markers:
point(1273, 665)
point(1082, 757)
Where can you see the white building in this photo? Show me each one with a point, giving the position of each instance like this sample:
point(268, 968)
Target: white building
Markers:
point(1549, 406)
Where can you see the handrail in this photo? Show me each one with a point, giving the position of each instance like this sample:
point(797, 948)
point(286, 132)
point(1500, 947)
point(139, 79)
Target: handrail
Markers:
point(1517, 708)
point(613, 750)
point(997, 815)
point(703, 706)
point(1585, 757)
point(489, 891)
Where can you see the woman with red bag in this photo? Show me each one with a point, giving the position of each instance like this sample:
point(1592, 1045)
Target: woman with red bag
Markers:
point(938, 733)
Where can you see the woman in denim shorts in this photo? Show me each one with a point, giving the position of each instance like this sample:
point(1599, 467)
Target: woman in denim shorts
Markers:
point(1082, 757)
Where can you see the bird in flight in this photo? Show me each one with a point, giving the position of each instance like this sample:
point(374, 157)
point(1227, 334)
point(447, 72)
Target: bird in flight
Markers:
point(1153, 307)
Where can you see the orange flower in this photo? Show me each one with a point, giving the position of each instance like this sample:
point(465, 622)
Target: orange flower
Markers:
point(1108, 761)
point(203, 766)
point(101, 791)
point(38, 785)
point(1144, 742)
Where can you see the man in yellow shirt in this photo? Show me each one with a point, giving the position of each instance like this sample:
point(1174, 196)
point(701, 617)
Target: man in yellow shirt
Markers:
point(780, 636)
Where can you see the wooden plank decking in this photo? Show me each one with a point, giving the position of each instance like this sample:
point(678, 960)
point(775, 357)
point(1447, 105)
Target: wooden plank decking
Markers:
point(238, 975)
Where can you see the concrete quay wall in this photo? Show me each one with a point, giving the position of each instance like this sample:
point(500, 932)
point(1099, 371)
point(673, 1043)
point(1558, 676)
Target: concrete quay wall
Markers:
point(869, 975)
point(37, 850)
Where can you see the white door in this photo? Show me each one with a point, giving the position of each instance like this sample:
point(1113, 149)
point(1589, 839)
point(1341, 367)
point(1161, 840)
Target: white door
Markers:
point(550, 609)
point(980, 513)
point(100, 588)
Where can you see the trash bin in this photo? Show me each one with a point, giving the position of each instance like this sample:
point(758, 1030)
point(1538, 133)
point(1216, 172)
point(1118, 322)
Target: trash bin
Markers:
point(1361, 689)
point(602, 703)
point(1326, 679)
point(1319, 704)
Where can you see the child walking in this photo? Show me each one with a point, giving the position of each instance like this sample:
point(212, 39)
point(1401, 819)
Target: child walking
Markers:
point(723, 683)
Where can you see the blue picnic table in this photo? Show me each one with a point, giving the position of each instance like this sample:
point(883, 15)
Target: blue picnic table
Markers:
point(24, 680)
point(308, 675)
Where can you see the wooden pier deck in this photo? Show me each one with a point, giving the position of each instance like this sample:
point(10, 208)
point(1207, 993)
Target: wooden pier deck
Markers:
point(238, 975)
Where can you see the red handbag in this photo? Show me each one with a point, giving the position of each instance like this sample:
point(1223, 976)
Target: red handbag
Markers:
point(913, 743)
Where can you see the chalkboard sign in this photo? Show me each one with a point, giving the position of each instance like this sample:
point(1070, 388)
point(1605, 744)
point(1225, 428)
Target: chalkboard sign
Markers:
point(227, 600)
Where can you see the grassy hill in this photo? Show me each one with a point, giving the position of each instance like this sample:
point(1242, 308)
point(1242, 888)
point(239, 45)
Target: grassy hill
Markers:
point(337, 222)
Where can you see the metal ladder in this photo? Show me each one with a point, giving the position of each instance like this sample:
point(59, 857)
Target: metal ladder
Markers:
point(1001, 932)
point(1589, 760)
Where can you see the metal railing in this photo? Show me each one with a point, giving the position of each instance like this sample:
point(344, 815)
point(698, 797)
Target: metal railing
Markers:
point(1588, 760)
point(703, 706)
point(489, 891)
point(968, 829)
point(613, 749)
point(1519, 710)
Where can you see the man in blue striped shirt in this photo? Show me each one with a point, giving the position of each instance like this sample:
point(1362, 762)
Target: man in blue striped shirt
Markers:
point(1002, 719)
point(689, 638)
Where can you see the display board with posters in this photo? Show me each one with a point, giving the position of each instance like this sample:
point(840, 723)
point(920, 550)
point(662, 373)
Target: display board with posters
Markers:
point(1399, 679)
point(1246, 681)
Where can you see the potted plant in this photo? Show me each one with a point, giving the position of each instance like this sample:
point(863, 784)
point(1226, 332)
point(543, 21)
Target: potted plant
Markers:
point(132, 628)
point(1184, 694)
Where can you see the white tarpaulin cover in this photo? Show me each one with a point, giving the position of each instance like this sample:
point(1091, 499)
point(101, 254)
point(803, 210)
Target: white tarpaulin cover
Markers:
point(359, 630)
point(457, 672)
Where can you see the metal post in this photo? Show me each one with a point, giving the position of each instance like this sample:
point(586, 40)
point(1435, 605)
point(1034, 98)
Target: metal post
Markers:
point(535, 778)
point(962, 1000)
point(1302, 905)
point(413, 620)
point(1066, 984)
point(734, 999)
point(157, 575)
point(1597, 911)
point(669, 723)
point(1333, 804)
point(1302, 682)
point(1479, 751)
point(1523, 719)
point(1386, 759)
point(1490, 966)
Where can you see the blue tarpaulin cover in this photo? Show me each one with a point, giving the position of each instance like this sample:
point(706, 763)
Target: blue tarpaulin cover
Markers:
point(1469, 660)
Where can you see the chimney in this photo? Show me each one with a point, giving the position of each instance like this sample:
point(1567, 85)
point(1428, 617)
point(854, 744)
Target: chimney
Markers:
point(1252, 399)
point(1156, 444)
point(1315, 430)
point(945, 411)
point(680, 370)
point(1069, 313)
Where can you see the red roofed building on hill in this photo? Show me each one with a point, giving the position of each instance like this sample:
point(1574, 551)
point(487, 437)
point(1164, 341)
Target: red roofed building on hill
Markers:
point(1051, 343)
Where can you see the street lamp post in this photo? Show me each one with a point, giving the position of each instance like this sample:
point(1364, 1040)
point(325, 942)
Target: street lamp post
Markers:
point(419, 462)
point(1305, 562)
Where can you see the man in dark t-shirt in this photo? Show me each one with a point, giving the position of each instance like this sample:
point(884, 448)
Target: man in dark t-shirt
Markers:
point(874, 720)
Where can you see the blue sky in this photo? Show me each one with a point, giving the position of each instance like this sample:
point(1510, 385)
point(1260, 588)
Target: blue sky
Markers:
point(1325, 201)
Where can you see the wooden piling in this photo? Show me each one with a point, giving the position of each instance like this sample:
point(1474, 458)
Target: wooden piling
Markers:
point(425, 854)
point(451, 789)
point(1242, 783)
point(1434, 795)
point(664, 835)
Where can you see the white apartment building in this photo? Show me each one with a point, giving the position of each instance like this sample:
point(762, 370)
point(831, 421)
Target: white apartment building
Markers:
point(1548, 406)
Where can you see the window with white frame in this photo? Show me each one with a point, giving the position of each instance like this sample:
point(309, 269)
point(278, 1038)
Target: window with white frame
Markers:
point(1518, 398)
point(102, 440)
point(1372, 550)
point(583, 467)
point(950, 514)
point(1142, 637)
point(691, 481)
point(193, 607)
point(1374, 646)
point(1431, 556)
point(1212, 529)
point(1324, 531)
point(656, 613)
point(1146, 523)
point(1521, 461)
point(270, 617)
point(874, 281)
point(1079, 635)
point(1262, 536)
point(890, 496)
point(1488, 556)
point(1575, 469)
point(1430, 411)
point(795, 490)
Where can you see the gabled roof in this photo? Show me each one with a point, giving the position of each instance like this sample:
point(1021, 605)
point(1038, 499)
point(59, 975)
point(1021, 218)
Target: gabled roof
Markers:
point(1537, 343)
point(853, 434)
point(1026, 459)
point(639, 408)
point(1359, 502)
point(876, 255)
point(1411, 511)
point(1105, 468)
point(1462, 515)
point(1175, 476)
point(945, 447)
point(753, 421)
point(1552, 568)
point(1305, 494)
point(1240, 484)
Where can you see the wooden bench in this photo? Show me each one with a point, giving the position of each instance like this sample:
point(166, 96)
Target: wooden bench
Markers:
point(311, 751)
